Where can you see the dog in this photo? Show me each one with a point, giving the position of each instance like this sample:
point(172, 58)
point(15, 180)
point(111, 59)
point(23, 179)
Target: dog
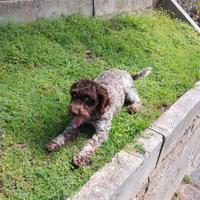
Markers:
point(96, 102)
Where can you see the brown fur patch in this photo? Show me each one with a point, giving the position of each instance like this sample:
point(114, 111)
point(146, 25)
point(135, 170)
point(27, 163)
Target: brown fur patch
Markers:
point(88, 90)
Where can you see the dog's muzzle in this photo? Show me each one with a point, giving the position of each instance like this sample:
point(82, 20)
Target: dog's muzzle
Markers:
point(78, 110)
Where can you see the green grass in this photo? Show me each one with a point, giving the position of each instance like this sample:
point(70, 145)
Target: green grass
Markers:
point(38, 64)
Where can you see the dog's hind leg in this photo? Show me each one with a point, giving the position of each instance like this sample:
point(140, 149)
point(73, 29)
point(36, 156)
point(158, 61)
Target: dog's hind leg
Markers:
point(133, 97)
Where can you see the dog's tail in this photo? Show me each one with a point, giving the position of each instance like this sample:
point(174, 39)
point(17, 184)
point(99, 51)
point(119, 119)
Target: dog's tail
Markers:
point(145, 72)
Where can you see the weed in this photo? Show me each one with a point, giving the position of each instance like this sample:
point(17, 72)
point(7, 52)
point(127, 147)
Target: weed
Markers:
point(187, 179)
point(140, 148)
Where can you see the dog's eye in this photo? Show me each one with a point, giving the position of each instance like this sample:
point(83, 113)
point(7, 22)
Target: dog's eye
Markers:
point(88, 101)
point(74, 95)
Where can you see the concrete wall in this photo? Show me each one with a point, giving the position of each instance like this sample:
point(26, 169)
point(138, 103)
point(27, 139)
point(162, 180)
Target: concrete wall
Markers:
point(172, 145)
point(29, 10)
point(180, 128)
point(113, 7)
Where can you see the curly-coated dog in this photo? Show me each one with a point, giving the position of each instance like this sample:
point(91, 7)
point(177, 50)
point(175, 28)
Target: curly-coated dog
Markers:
point(97, 101)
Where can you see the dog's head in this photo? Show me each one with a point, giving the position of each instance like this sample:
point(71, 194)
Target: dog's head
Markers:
point(87, 98)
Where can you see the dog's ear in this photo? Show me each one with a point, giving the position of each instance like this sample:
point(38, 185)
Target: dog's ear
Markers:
point(74, 87)
point(74, 90)
point(103, 99)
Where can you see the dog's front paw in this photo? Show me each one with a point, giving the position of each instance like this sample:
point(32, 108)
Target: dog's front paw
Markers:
point(82, 160)
point(52, 146)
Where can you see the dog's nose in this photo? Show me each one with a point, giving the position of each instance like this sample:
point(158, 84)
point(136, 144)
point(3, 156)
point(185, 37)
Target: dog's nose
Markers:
point(73, 110)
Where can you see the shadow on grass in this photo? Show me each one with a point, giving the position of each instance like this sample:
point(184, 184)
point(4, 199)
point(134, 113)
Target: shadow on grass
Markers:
point(49, 130)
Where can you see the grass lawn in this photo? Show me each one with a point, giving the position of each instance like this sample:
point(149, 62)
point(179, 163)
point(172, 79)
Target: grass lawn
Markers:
point(38, 64)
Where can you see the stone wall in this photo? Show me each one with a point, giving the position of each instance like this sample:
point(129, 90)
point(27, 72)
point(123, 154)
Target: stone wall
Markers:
point(180, 127)
point(29, 10)
point(112, 7)
point(172, 145)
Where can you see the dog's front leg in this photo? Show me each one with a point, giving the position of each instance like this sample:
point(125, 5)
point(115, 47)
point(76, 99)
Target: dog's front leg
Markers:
point(66, 136)
point(102, 130)
point(84, 157)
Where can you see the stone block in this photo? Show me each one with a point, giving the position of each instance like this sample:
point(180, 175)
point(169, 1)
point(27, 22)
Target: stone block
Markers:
point(30, 10)
point(180, 127)
point(183, 116)
point(125, 174)
point(113, 7)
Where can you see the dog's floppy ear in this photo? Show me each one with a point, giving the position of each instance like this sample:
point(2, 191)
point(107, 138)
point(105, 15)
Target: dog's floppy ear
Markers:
point(73, 88)
point(103, 99)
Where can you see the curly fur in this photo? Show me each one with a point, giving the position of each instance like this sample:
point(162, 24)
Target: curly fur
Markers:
point(107, 95)
point(95, 91)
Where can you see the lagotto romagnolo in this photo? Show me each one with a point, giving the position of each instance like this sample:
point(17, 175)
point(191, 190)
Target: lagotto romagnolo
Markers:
point(96, 102)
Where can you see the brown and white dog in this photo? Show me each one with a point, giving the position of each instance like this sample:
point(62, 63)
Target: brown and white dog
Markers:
point(96, 102)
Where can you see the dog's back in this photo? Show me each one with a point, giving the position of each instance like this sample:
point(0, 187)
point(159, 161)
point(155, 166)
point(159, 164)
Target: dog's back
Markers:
point(116, 81)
